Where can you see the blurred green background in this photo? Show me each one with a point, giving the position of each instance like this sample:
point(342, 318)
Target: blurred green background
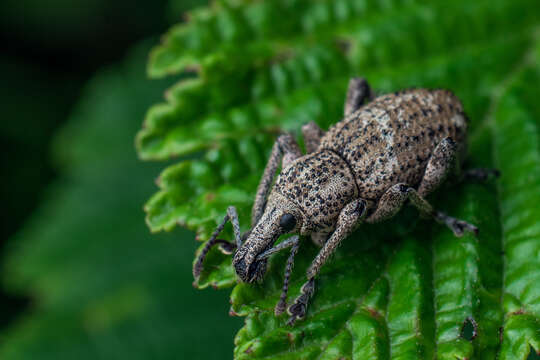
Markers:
point(81, 276)
point(92, 283)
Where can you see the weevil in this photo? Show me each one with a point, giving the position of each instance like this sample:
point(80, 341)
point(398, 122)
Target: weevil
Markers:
point(387, 150)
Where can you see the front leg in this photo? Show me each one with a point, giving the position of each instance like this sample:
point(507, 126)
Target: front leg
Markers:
point(284, 151)
point(225, 246)
point(348, 218)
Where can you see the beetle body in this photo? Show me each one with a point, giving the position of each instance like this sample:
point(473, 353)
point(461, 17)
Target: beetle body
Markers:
point(395, 148)
point(386, 142)
point(391, 139)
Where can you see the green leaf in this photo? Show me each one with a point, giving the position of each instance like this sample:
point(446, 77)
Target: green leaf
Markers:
point(403, 289)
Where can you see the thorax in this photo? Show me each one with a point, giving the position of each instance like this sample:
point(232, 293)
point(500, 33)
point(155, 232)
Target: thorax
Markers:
point(321, 184)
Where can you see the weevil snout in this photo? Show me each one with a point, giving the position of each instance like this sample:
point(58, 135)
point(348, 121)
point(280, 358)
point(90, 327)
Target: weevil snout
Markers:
point(249, 271)
point(280, 217)
point(262, 237)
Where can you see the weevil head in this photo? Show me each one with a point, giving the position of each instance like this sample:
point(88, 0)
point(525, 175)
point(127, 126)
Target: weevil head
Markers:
point(281, 216)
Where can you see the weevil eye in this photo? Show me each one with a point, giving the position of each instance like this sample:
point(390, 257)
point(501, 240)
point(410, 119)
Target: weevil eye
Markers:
point(287, 222)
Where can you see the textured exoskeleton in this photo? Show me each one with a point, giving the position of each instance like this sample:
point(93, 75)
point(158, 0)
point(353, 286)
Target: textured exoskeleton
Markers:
point(394, 148)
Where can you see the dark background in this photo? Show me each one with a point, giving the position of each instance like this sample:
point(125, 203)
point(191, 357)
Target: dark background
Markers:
point(49, 51)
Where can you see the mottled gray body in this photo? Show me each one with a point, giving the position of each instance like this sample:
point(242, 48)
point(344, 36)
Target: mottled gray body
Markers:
point(395, 148)
point(386, 142)
point(391, 139)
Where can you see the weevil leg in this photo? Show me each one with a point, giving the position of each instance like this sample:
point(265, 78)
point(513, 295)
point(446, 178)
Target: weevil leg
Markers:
point(358, 92)
point(298, 310)
point(394, 198)
point(348, 218)
point(197, 268)
point(233, 216)
point(442, 162)
point(389, 204)
point(312, 134)
point(225, 246)
point(282, 303)
point(480, 174)
point(293, 241)
point(282, 245)
point(458, 227)
point(284, 151)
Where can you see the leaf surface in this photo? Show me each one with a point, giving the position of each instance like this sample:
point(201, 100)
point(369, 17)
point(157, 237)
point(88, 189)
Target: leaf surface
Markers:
point(405, 289)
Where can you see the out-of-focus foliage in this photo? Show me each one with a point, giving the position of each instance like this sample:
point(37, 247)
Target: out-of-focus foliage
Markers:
point(22, 99)
point(68, 21)
point(398, 289)
point(103, 288)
